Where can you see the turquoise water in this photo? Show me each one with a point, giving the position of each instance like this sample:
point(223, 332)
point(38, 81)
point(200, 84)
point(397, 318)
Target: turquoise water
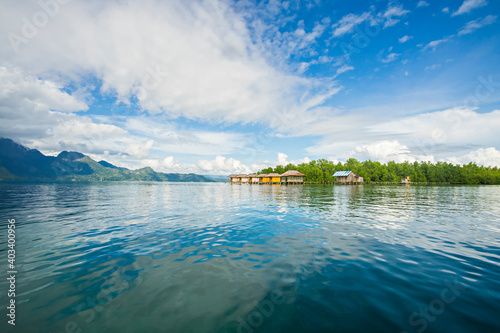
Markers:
point(176, 257)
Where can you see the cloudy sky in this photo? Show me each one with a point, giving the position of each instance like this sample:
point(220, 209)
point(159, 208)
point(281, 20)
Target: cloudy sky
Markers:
point(217, 87)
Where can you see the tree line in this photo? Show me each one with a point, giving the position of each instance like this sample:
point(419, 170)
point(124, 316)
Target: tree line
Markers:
point(322, 171)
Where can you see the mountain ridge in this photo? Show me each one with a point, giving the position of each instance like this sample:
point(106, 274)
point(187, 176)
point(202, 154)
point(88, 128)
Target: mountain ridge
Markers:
point(19, 163)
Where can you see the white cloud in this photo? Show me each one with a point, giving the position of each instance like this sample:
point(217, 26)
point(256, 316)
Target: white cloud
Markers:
point(38, 114)
point(282, 159)
point(434, 44)
point(196, 59)
point(422, 4)
point(20, 91)
point(385, 151)
point(472, 26)
point(469, 5)
point(344, 68)
point(445, 10)
point(454, 128)
point(348, 23)
point(171, 140)
point(169, 165)
point(222, 165)
point(140, 150)
point(393, 14)
point(421, 137)
point(390, 57)
point(483, 156)
point(404, 39)
point(433, 67)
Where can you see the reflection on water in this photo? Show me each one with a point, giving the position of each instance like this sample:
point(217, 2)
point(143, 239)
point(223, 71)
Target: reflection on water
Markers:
point(148, 257)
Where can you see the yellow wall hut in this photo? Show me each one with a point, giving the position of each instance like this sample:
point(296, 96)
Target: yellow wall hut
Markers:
point(264, 178)
point(234, 178)
point(275, 177)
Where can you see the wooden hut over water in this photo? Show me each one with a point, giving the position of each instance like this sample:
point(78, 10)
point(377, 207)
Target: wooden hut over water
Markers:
point(289, 177)
point(264, 178)
point(234, 178)
point(347, 177)
point(292, 176)
point(254, 178)
point(275, 177)
point(244, 178)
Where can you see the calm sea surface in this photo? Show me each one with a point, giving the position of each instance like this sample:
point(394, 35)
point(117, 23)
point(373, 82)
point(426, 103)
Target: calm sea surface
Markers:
point(176, 257)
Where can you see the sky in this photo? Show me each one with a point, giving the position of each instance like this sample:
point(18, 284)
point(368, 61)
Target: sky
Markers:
point(219, 87)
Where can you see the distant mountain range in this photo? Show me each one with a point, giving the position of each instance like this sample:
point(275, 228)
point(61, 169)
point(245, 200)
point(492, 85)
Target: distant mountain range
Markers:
point(20, 163)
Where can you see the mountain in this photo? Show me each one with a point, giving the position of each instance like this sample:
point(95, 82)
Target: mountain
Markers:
point(20, 163)
point(217, 178)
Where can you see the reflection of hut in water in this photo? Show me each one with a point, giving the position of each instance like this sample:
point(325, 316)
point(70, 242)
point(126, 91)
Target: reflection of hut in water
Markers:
point(347, 177)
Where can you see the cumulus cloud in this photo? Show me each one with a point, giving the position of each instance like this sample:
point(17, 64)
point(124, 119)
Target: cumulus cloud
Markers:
point(282, 159)
point(469, 5)
point(140, 150)
point(472, 26)
point(40, 114)
point(385, 151)
point(427, 136)
point(169, 165)
point(222, 165)
point(422, 4)
point(483, 156)
point(20, 91)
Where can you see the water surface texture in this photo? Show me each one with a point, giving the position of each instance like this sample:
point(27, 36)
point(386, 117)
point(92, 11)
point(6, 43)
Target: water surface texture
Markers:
point(176, 257)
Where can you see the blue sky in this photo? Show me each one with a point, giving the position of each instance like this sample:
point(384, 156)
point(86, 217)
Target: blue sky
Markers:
point(217, 87)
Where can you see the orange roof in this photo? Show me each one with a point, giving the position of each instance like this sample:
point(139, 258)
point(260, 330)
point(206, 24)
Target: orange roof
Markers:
point(293, 173)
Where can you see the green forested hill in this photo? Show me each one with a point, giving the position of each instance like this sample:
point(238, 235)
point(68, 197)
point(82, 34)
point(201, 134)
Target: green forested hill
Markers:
point(20, 163)
point(442, 172)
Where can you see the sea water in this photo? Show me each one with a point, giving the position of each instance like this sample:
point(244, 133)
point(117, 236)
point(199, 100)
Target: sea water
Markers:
point(216, 257)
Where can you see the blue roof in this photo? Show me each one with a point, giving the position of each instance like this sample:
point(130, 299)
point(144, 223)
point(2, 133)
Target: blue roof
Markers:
point(341, 173)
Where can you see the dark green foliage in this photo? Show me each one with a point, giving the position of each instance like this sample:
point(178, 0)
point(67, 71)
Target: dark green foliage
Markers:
point(441, 172)
point(20, 163)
